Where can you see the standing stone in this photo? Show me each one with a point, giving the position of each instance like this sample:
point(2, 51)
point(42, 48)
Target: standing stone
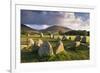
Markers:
point(78, 38)
point(51, 36)
point(39, 43)
point(30, 42)
point(28, 35)
point(41, 35)
point(60, 47)
point(45, 49)
point(77, 43)
point(83, 39)
point(64, 37)
point(72, 45)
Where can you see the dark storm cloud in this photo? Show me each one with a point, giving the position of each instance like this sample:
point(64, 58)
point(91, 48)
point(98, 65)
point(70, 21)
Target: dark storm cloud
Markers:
point(41, 17)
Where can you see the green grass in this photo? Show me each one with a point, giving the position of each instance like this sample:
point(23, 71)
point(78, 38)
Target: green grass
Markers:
point(64, 56)
point(47, 38)
point(80, 53)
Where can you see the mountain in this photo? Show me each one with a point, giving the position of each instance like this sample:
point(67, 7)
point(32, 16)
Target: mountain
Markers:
point(25, 28)
point(56, 28)
point(53, 29)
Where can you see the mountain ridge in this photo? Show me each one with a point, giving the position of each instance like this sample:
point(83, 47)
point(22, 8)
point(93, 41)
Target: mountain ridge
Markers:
point(56, 28)
point(52, 29)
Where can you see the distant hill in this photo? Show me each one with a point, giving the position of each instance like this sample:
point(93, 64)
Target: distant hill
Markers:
point(56, 28)
point(25, 28)
point(52, 29)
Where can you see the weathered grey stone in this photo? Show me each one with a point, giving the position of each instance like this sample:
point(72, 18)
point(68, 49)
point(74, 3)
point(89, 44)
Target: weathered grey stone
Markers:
point(60, 47)
point(78, 38)
point(83, 39)
point(45, 49)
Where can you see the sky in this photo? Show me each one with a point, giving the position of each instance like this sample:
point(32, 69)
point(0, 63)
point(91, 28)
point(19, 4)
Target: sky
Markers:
point(43, 19)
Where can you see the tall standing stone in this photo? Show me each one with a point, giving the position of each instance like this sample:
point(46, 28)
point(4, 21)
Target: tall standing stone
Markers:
point(41, 35)
point(45, 49)
point(60, 47)
point(27, 39)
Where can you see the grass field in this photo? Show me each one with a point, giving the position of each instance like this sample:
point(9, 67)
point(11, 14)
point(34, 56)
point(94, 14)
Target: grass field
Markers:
point(81, 52)
point(47, 38)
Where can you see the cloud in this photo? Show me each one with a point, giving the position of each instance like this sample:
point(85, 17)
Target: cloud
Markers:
point(44, 19)
point(40, 17)
point(73, 22)
point(39, 27)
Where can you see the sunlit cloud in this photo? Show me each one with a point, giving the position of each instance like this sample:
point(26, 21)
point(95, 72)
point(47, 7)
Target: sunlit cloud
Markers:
point(74, 23)
point(44, 19)
point(39, 27)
